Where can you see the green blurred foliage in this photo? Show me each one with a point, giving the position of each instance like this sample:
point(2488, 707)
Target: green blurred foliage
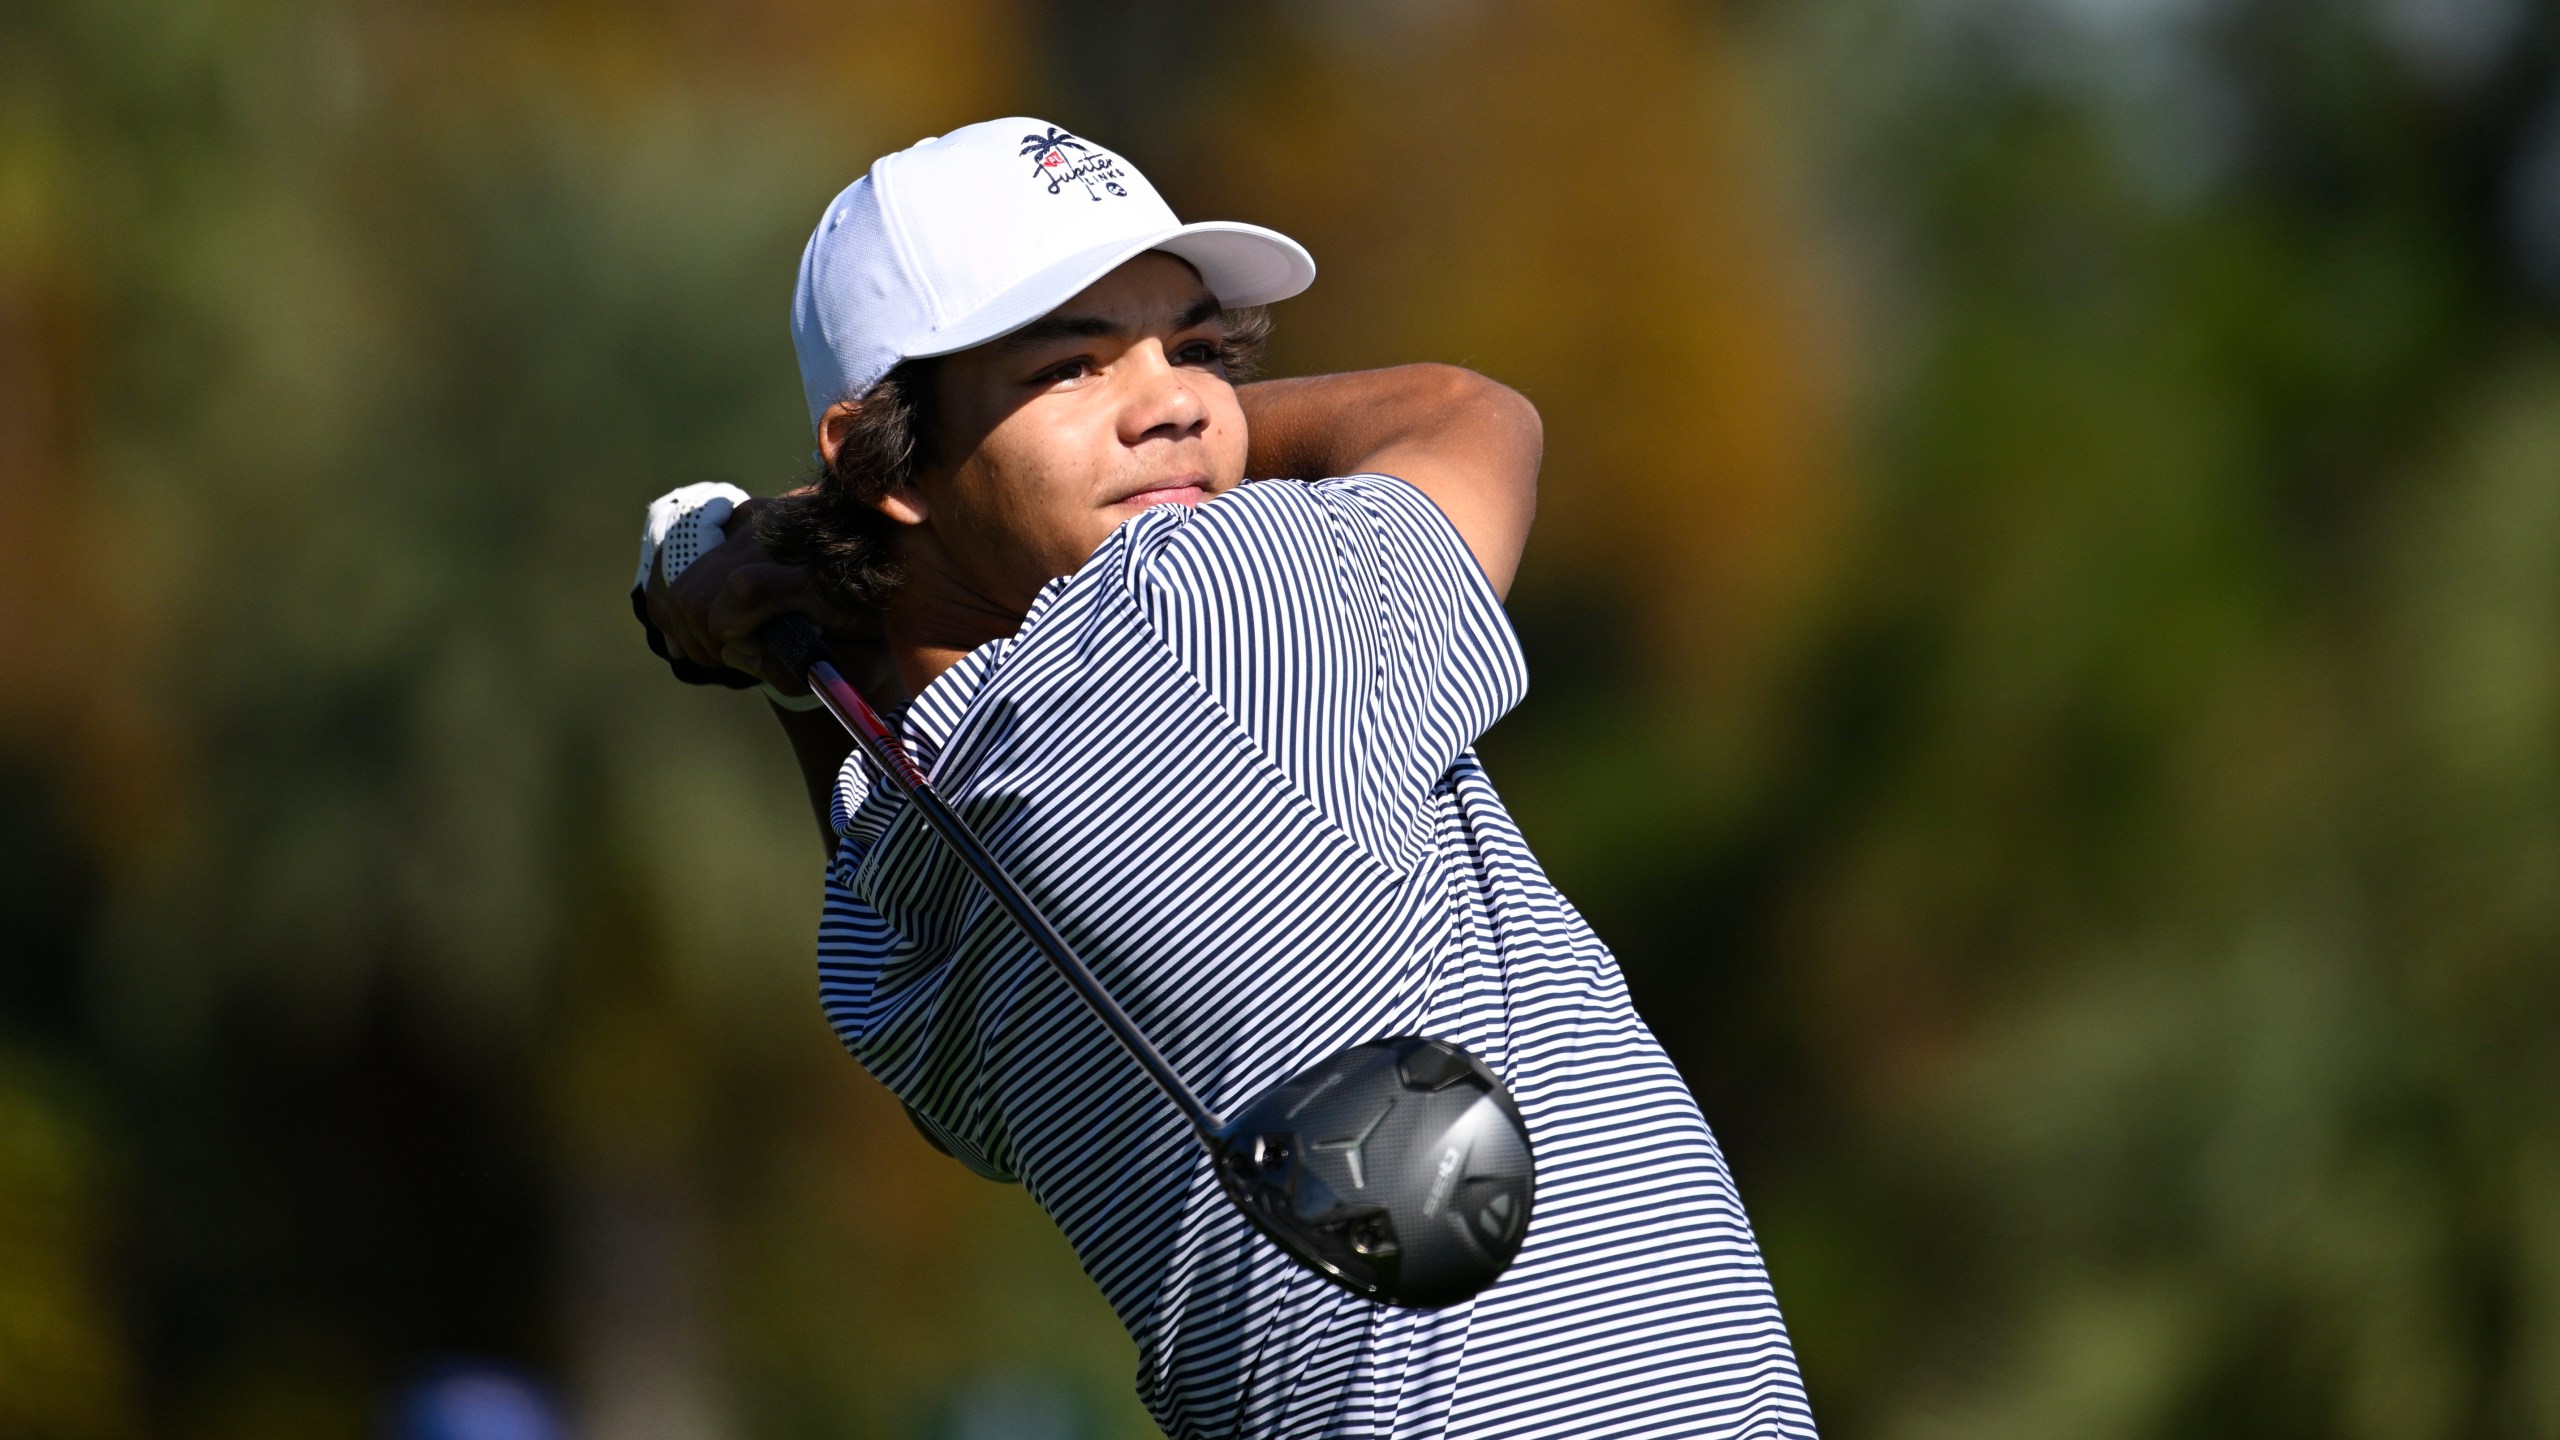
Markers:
point(2046, 624)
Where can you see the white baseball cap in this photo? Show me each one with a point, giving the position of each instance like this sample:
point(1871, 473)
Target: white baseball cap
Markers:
point(960, 239)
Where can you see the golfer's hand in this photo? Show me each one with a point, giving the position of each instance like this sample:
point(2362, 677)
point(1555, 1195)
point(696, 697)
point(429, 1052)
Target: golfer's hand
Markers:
point(710, 613)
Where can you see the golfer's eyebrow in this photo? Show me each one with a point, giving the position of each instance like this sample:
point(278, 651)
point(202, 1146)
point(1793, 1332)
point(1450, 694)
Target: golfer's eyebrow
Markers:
point(1063, 326)
point(1201, 312)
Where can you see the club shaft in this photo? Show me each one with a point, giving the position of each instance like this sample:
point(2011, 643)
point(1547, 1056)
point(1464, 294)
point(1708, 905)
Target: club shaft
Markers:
point(880, 745)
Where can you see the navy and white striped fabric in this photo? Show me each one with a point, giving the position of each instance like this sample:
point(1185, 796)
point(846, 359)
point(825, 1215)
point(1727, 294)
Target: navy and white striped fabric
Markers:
point(1230, 757)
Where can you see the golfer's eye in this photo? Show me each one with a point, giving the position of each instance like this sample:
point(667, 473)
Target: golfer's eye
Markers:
point(1065, 370)
point(1198, 352)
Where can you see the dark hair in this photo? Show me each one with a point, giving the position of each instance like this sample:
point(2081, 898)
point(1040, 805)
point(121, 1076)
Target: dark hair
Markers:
point(833, 524)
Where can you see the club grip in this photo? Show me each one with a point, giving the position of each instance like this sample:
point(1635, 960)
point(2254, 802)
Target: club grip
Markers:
point(795, 640)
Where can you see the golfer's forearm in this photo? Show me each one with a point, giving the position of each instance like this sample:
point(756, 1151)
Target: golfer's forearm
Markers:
point(1470, 443)
point(820, 745)
point(1320, 425)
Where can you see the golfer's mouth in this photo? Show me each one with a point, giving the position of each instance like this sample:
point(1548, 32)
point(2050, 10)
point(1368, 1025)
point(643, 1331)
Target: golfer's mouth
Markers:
point(1189, 490)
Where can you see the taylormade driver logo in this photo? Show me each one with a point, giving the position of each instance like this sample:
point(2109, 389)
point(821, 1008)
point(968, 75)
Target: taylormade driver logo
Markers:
point(1058, 157)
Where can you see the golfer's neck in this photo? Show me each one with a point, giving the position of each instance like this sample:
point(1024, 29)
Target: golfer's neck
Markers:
point(938, 617)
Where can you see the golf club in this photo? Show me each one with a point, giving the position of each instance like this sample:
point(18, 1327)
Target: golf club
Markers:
point(1398, 1168)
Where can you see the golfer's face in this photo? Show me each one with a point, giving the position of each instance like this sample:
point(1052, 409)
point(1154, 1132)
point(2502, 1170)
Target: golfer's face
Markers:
point(1113, 402)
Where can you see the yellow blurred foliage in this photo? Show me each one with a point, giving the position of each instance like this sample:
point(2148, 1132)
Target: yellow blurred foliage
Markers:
point(1584, 201)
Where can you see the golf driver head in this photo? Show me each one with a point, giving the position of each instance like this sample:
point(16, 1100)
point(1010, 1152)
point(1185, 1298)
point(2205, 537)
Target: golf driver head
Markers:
point(1399, 1168)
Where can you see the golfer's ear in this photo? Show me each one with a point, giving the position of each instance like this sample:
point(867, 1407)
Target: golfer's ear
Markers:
point(834, 426)
point(906, 504)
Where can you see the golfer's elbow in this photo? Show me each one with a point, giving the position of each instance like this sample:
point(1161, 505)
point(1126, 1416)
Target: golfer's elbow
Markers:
point(1490, 429)
point(1519, 439)
point(1472, 445)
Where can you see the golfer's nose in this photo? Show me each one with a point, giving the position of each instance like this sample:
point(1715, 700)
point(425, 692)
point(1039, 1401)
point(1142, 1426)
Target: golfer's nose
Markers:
point(1163, 400)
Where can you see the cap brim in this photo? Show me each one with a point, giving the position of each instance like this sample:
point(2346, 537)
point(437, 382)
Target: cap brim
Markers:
point(1241, 264)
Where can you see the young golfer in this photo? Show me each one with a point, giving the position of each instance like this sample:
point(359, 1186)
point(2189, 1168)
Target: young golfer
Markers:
point(1222, 730)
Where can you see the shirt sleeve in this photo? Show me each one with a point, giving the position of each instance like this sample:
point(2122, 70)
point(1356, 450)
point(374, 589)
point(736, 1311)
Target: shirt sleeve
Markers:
point(1347, 630)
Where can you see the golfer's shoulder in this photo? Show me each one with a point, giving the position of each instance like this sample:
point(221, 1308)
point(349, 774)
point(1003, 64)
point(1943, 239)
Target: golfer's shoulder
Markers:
point(1348, 531)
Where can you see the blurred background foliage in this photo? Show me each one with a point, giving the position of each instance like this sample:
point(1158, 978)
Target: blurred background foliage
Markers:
point(2045, 615)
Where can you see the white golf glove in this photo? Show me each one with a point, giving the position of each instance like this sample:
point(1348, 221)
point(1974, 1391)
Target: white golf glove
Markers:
point(684, 525)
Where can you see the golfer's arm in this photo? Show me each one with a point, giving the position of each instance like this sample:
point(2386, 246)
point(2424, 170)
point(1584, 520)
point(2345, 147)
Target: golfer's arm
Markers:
point(819, 743)
point(1470, 443)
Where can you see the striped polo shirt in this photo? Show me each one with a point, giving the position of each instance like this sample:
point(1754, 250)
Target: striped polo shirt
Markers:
point(1231, 758)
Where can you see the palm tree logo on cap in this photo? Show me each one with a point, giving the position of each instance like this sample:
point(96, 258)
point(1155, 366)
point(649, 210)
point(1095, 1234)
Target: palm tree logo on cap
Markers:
point(1049, 152)
point(1051, 162)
